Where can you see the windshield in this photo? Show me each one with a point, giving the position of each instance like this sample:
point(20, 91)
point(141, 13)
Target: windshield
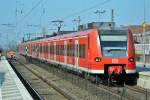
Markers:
point(113, 43)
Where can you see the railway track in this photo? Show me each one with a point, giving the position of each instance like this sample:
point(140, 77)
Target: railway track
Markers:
point(49, 78)
point(114, 92)
point(85, 84)
point(46, 89)
point(100, 91)
point(138, 89)
point(143, 94)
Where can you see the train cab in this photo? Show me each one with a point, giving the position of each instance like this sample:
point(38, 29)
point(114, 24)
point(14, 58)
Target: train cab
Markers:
point(117, 53)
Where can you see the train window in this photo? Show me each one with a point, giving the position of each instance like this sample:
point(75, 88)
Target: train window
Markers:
point(113, 43)
point(76, 50)
point(88, 40)
point(82, 50)
point(72, 50)
point(37, 48)
point(41, 48)
point(46, 47)
point(62, 49)
point(57, 49)
point(51, 47)
point(68, 50)
point(32, 47)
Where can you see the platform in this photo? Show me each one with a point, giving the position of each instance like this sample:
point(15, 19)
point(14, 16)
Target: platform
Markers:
point(11, 88)
point(141, 68)
point(144, 75)
point(144, 79)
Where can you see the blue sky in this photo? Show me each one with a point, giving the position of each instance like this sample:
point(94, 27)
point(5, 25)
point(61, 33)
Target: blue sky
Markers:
point(127, 12)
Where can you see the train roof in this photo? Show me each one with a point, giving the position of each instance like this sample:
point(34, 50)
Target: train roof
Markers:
point(68, 34)
point(61, 36)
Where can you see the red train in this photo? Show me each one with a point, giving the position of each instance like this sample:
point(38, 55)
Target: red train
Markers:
point(101, 52)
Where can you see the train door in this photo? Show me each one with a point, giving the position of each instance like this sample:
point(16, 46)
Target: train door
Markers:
point(55, 51)
point(76, 53)
point(36, 50)
point(65, 52)
point(39, 50)
point(48, 52)
point(32, 45)
point(42, 53)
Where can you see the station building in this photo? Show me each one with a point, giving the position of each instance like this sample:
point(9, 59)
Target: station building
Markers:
point(142, 42)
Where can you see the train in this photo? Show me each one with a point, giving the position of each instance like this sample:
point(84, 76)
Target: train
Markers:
point(11, 54)
point(107, 53)
point(0, 53)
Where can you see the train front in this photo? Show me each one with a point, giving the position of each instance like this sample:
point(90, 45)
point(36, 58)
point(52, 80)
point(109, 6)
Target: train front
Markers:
point(118, 54)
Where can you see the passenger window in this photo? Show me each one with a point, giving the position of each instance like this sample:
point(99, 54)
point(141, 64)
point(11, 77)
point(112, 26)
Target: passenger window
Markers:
point(82, 50)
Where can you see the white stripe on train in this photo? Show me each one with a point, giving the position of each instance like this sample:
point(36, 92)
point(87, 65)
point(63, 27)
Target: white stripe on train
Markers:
point(79, 68)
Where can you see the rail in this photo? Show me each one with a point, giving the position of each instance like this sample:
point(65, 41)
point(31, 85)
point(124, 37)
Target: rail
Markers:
point(32, 91)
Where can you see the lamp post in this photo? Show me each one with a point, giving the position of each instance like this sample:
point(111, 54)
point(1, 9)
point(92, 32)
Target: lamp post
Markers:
point(143, 40)
point(78, 20)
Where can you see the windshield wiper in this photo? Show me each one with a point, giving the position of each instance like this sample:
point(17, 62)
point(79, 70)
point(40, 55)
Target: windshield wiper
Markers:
point(115, 49)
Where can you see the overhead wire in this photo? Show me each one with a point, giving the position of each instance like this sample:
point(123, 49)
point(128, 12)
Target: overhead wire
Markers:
point(86, 9)
point(31, 10)
point(41, 7)
point(66, 17)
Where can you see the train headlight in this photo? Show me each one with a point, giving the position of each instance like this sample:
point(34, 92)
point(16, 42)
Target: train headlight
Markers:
point(131, 59)
point(97, 59)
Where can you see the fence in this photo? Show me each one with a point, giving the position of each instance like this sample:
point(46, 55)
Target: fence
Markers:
point(139, 49)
